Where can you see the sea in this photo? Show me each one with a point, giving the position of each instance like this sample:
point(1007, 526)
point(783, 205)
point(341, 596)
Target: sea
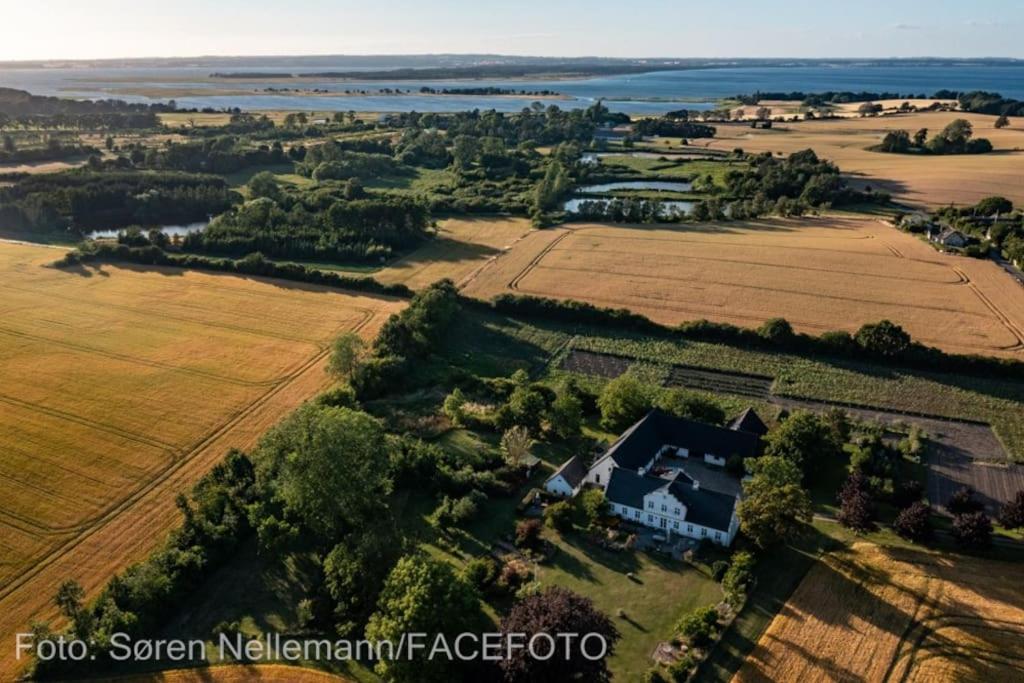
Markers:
point(646, 93)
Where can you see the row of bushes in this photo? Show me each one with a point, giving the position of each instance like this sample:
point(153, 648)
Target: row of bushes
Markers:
point(883, 341)
point(253, 264)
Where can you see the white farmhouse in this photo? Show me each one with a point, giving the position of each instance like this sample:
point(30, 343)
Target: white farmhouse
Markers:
point(669, 473)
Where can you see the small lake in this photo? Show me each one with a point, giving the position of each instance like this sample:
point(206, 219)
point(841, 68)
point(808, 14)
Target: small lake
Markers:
point(657, 185)
point(169, 230)
point(666, 208)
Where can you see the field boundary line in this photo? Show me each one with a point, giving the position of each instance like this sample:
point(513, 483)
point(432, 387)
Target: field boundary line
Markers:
point(164, 314)
point(139, 361)
point(100, 426)
point(758, 288)
point(514, 282)
point(140, 493)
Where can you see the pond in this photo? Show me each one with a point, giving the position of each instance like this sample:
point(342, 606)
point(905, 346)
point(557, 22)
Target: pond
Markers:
point(660, 185)
point(169, 230)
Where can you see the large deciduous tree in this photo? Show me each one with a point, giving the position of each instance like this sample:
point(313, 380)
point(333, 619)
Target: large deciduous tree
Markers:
point(553, 611)
point(774, 506)
point(423, 595)
point(327, 466)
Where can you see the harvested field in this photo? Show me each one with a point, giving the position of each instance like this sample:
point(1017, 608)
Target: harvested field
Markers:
point(827, 273)
point(916, 179)
point(121, 387)
point(888, 614)
point(462, 247)
point(270, 673)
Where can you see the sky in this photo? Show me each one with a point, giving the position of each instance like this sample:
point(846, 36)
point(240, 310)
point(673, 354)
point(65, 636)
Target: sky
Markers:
point(93, 29)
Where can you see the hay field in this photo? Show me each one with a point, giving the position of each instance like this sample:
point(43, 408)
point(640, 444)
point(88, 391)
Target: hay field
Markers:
point(914, 179)
point(825, 273)
point(886, 614)
point(462, 247)
point(122, 386)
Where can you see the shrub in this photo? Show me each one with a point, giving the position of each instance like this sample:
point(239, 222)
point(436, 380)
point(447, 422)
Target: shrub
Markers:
point(738, 577)
point(907, 493)
point(699, 625)
point(1011, 515)
point(339, 396)
point(592, 505)
point(855, 508)
point(481, 572)
point(559, 516)
point(973, 530)
point(718, 569)
point(914, 522)
point(454, 407)
point(963, 502)
point(528, 533)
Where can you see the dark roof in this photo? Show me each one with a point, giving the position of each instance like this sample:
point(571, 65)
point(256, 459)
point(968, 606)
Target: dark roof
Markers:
point(707, 508)
point(639, 444)
point(704, 507)
point(572, 470)
point(749, 421)
point(626, 487)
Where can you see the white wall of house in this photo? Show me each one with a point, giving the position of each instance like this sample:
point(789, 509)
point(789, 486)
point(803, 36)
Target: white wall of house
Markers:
point(673, 526)
point(601, 472)
point(558, 486)
point(664, 505)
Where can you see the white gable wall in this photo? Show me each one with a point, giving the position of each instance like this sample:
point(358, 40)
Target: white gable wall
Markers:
point(558, 486)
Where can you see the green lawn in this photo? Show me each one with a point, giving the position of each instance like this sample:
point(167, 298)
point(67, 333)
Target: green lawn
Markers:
point(421, 181)
point(285, 172)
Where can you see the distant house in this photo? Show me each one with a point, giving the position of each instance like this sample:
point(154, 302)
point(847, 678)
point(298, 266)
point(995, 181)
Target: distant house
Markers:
point(669, 473)
point(950, 237)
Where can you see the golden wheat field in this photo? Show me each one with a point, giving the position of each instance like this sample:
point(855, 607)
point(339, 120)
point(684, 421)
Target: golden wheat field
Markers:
point(886, 614)
point(820, 273)
point(462, 246)
point(121, 387)
point(915, 179)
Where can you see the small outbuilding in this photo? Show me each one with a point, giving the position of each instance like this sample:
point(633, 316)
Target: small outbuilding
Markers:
point(568, 479)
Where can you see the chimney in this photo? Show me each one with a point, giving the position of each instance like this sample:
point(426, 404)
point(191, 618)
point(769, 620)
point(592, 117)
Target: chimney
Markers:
point(640, 471)
point(696, 485)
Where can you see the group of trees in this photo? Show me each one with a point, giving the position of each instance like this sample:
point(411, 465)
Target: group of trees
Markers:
point(53, 149)
point(81, 200)
point(956, 138)
point(315, 224)
point(221, 155)
point(801, 176)
point(982, 102)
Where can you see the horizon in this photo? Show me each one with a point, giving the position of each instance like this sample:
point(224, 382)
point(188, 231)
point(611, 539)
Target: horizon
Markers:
point(508, 55)
point(105, 30)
